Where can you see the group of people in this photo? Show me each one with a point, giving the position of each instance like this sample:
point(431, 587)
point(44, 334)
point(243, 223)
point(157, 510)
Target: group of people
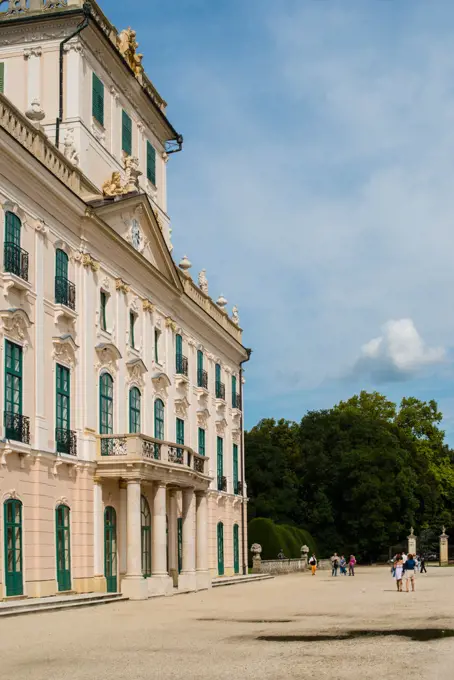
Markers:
point(336, 564)
point(405, 568)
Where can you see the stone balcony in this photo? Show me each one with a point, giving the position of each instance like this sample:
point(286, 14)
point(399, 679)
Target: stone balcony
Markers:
point(128, 456)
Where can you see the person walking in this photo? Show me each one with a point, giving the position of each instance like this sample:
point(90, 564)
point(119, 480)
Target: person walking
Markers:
point(343, 565)
point(404, 557)
point(334, 564)
point(423, 569)
point(398, 572)
point(351, 565)
point(313, 563)
point(409, 573)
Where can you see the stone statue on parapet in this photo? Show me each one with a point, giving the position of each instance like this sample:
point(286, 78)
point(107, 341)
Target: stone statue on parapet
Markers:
point(115, 187)
point(127, 45)
point(203, 282)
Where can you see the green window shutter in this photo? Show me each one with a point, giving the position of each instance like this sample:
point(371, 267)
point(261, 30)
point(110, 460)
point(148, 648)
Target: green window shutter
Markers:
point(12, 228)
point(180, 431)
point(2, 77)
point(199, 368)
point(103, 305)
point(106, 404)
point(156, 345)
point(201, 441)
point(234, 400)
point(236, 549)
point(13, 378)
point(218, 373)
point(132, 322)
point(220, 461)
point(151, 163)
point(98, 100)
point(235, 468)
point(126, 134)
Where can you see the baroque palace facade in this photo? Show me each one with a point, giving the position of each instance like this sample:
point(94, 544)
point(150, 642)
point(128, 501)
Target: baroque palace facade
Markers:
point(121, 450)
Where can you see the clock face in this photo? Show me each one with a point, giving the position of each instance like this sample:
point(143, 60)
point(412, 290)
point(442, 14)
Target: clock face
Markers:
point(136, 235)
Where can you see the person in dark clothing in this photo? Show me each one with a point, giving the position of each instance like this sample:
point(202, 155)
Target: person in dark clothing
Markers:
point(409, 573)
point(423, 569)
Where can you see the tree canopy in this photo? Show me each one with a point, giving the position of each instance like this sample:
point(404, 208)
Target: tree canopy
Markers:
point(356, 476)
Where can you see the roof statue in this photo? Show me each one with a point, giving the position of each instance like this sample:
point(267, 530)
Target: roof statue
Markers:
point(113, 186)
point(203, 282)
point(127, 44)
point(235, 316)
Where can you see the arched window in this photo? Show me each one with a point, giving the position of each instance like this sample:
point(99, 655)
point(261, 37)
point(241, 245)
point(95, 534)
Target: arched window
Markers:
point(145, 525)
point(159, 419)
point(15, 261)
point(63, 540)
point(105, 410)
point(220, 549)
point(13, 548)
point(134, 410)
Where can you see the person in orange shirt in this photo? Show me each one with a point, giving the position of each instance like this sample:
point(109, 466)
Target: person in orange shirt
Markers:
point(313, 563)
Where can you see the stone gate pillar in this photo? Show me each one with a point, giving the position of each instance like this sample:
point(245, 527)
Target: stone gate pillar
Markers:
point(444, 559)
point(256, 550)
point(411, 542)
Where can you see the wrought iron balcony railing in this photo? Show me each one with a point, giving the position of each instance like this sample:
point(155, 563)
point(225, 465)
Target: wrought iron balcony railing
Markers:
point(182, 365)
point(202, 378)
point(222, 483)
point(66, 441)
point(220, 390)
point(15, 260)
point(17, 427)
point(65, 292)
point(239, 489)
point(138, 447)
point(236, 401)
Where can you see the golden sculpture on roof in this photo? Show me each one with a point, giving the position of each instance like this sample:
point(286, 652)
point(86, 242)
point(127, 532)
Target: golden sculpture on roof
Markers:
point(113, 186)
point(127, 45)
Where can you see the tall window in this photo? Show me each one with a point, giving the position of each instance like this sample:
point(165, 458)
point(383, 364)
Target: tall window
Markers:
point(126, 134)
point(180, 437)
point(157, 334)
point(151, 163)
point(234, 395)
point(65, 292)
point(105, 409)
point(12, 512)
point(63, 404)
point(103, 310)
point(13, 392)
point(98, 100)
point(201, 374)
point(159, 419)
point(201, 441)
point(236, 549)
point(134, 410)
point(15, 259)
point(145, 525)
point(219, 385)
point(63, 541)
point(2, 77)
point(220, 464)
point(132, 323)
point(235, 468)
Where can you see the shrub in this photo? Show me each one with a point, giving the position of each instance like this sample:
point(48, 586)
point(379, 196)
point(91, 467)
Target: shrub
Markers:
point(272, 537)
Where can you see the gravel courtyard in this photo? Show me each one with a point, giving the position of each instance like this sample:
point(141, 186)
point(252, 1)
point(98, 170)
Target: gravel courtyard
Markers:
point(217, 634)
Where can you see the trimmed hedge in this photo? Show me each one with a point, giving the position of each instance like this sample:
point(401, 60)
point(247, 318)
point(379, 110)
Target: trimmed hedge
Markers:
point(272, 537)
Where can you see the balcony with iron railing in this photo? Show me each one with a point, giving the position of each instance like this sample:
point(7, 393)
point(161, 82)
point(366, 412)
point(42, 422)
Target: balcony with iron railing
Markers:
point(123, 452)
point(17, 427)
point(239, 488)
point(222, 483)
point(15, 260)
point(65, 292)
point(202, 378)
point(220, 390)
point(66, 441)
point(236, 401)
point(182, 365)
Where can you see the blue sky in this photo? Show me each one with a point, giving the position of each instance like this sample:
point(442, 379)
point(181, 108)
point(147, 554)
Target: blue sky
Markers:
point(316, 186)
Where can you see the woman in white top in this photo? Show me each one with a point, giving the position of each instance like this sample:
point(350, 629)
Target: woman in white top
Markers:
point(398, 572)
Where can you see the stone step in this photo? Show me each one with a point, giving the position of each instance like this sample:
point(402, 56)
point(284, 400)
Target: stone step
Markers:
point(235, 580)
point(46, 604)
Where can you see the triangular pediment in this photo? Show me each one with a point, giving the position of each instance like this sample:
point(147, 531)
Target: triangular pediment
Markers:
point(137, 222)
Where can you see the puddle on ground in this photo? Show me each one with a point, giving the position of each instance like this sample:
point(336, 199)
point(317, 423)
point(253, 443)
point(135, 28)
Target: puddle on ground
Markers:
point(250, 620)
point(415, 634)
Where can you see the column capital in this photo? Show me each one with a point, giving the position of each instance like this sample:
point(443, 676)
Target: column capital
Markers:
point(134, 480)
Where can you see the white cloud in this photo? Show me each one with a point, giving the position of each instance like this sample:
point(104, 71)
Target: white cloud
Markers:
point(399, 353)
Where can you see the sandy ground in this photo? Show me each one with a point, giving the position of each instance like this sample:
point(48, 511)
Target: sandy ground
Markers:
point(215, 634)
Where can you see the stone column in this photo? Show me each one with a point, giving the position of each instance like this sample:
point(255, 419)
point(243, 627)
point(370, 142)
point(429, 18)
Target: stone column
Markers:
point(444, 556)
point(173, 536)
point(98, 538)
point(160, 582)
point(134, 585)
point(412, 542)
point(187, 578)
point(123, 528)
point(202, 571)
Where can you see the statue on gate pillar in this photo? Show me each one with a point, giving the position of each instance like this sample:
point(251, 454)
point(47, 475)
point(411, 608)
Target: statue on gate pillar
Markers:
point(444, 554)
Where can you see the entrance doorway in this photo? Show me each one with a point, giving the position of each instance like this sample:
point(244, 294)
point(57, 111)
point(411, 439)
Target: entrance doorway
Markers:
point(63, 540)
point(110, 549)
point(13, 548)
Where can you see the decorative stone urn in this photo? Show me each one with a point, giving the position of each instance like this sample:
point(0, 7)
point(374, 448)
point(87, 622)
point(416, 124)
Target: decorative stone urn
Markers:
point(304, 554)
point(256, 550)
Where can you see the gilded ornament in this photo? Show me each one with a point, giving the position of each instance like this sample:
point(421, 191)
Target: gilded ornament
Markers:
point(127, 45)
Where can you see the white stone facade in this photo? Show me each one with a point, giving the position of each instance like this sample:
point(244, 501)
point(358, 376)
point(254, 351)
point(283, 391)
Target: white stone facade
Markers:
point(94, 314)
